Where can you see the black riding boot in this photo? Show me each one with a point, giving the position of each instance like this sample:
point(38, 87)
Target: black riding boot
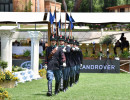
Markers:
point(75, 78)
point(64, 85)
point(67, 84)
point(56, 88)
point(49, 93)
point(71, 81)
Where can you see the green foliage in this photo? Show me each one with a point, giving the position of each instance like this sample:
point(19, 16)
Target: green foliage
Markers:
point(28, 7)
point(40, 61)
point(108, 26)
point(7, 76)
point(3, 64)
point(4, 94)
point(26, 53)
point(85, 54)
point(128, 26)
point(69, 3)
point(108, 39)
point(16, 68)
point(125, 54)
point(44, 53)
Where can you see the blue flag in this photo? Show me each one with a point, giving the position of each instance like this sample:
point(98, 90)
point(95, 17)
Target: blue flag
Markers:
point(71, 18)
point(71, 22)
point(72, 26)
point(59, 23)
point(67, 17)
point(52, 18)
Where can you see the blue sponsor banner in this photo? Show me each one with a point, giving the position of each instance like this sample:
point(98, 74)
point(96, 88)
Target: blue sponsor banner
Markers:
point(89, 66)
point(24, 64)
point(101, 66)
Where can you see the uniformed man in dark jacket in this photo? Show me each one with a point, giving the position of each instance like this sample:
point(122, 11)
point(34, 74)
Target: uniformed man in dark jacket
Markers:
point(61, 40)
point(67, 55)
point(71, 61)
point(79, 60)
point(75, 59)
point(54, 58)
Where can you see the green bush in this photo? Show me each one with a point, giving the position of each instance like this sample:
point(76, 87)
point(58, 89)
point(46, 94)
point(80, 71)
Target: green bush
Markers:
point(26, 53)
point(44, 53)
point(3, 64)
point(16, 68)
point(108, 26)
point(85, 54)
point(125, 54)
point(108, 39)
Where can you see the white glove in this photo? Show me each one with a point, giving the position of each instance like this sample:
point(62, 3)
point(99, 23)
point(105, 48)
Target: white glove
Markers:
point(57, 48)
point(73, 49)
point(81, 65)
point(45, 66)
point(64, 64)
point(68, 45)
point(64, 49)
point(76, 48)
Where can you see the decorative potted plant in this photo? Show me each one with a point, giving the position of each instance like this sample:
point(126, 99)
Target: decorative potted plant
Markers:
point(7, 79)
point(42, 73)
point(3, 94)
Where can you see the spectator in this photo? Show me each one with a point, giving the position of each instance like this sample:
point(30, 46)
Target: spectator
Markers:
point(16, 43)
point(125, 44)
point(117, 44)
point(122, 37)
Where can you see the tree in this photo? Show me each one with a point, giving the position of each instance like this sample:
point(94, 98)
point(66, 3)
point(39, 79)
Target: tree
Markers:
point(77, 5)
point(64, 5)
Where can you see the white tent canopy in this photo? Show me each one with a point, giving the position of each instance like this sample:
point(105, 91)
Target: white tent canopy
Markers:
point(78, 17)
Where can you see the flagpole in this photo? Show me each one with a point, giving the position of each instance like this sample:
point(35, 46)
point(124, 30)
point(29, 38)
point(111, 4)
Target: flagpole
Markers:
point(51, 24)
point(70, 27)
point(60, 25)
point(71, 34)
point(65, 23)
point(56, 19)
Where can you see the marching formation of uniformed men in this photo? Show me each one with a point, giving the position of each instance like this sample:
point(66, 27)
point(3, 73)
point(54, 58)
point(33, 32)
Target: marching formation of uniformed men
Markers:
point(63, 59)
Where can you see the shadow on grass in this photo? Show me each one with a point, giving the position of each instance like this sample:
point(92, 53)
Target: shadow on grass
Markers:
point(42, 94)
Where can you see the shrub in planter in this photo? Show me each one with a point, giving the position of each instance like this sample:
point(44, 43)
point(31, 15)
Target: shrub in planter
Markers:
point(108, 39)
point(7, 79)
point(7, 76)
point(125, 53)
point(26, 53)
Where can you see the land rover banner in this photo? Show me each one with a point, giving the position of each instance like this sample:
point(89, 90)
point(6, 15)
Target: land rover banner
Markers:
point(101, 66)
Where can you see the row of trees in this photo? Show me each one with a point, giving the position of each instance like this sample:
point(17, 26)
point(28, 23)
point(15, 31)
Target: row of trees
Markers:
point(90, 5)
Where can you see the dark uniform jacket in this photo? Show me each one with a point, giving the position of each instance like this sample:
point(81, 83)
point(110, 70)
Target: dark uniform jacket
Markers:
point(56, 59)
point(67, 55)
point(78, 57)
point(72, 58)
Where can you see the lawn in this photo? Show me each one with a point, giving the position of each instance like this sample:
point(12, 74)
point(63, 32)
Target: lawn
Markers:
point(90, 87)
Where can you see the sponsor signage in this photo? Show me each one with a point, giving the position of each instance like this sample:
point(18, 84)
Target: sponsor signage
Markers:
point(24, 64)
point(101, 66)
